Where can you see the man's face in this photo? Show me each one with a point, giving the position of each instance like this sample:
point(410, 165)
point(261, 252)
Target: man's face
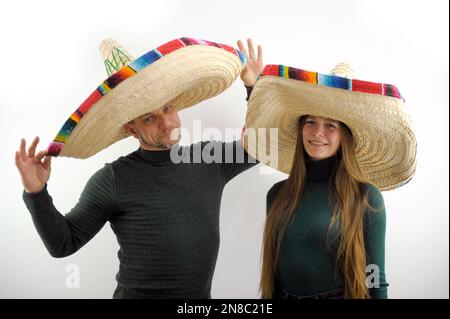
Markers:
point(157, 130)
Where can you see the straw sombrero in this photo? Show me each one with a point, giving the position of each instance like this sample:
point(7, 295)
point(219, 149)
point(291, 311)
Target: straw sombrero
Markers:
point(374, 112)
point(184, 72)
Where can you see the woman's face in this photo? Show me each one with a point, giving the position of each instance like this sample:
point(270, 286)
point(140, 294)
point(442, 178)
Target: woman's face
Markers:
point(321, 137)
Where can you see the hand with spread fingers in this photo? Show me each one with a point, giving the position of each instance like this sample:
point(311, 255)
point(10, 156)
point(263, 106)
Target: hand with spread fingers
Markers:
point(34, 172)
point(254, 64)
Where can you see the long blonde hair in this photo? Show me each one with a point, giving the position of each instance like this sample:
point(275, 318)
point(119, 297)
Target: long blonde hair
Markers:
point(347, 192)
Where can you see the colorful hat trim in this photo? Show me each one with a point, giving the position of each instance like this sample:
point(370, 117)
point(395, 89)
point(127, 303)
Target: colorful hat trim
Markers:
point(124, 73)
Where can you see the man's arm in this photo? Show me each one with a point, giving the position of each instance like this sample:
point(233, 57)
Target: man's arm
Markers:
point(235, 159)
point(249, 92)
point(63, 235)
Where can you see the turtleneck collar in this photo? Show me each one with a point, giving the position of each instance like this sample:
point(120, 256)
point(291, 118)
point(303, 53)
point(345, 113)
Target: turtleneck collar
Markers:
point(320, 170)
point(154, 157)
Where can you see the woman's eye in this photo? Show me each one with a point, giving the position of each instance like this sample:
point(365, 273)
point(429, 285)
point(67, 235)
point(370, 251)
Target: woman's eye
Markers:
point(167, 108)
point(150, 119)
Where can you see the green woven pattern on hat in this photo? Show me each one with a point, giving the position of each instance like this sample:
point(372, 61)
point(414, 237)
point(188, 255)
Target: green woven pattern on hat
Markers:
point(116, 60)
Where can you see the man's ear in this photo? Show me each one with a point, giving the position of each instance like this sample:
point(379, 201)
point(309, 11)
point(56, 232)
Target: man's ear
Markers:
point(128, 127)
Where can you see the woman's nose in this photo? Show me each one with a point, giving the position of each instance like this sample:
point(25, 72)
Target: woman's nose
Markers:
point(318, 131)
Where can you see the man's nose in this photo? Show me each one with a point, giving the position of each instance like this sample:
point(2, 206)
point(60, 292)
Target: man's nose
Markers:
point(165, 122)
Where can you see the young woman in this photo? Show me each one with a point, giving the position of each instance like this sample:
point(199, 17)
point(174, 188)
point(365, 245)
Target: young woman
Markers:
point(325, 230)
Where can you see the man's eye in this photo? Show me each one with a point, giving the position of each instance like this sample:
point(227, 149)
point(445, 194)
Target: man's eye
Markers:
point(167, 108)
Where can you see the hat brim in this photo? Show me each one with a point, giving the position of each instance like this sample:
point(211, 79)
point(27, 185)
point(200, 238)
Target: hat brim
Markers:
point(385, 142)
point(185, 77)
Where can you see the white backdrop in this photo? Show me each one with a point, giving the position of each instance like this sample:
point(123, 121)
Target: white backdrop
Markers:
point(50, 64)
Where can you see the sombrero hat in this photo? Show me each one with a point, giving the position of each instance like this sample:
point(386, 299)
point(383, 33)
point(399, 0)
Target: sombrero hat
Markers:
point(374, 112)
point(184, 71)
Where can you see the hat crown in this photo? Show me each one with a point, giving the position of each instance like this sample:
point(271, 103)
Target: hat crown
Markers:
point(343, 70)
point(114, 55)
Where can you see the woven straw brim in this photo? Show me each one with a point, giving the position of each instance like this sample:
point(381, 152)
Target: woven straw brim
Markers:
point(187, 76)
point(385, 142)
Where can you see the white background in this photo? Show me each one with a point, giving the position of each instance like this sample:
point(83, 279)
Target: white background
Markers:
point(50, 64)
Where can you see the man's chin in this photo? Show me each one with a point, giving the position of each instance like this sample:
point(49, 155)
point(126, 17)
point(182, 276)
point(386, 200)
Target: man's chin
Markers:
point(168, 143)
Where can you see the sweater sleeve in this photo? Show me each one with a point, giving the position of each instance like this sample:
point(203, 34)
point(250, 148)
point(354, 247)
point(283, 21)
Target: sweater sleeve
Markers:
point(235, 159)
point(64, 235)
point(249, 92)
point(374, 236)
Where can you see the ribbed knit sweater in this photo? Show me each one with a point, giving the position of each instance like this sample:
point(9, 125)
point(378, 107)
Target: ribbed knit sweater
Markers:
point(306, 265)
point(165, 216)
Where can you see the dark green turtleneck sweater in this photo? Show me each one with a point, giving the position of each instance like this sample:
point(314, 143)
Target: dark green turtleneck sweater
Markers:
point(307, 263)
point(165, 216)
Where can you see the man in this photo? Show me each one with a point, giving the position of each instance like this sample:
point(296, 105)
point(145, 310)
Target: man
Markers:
point(165, 214)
